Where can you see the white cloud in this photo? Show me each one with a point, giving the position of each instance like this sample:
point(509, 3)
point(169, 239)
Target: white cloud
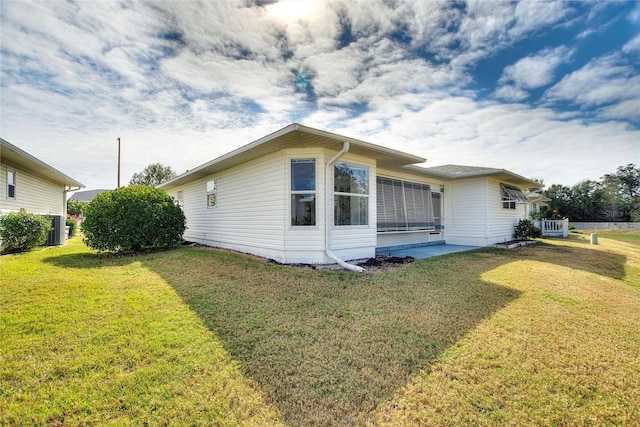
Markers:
point(183, 82)
point(511, 93)
point(602, 81)
point(532, 15)
point(632, 45)
point(535, 71)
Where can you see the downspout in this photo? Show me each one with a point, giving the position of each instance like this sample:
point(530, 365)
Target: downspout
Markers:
point(329, 211)
point(67, 189)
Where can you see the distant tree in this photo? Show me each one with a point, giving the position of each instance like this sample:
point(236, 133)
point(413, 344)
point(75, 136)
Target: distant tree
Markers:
point(152, 175)
point(75, 207)
point(540, 185)
point(560, 204)
point(588, 202)
point(616, 197)
point(622, 193)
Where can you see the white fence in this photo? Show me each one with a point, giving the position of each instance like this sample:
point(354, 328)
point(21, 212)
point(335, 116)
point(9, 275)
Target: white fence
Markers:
point(554, 227)
point(607, 225)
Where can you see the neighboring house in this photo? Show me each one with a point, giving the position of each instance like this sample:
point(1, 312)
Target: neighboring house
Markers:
point(33, 186)
point(536, 201)
point(303, 195)
point(86, 196)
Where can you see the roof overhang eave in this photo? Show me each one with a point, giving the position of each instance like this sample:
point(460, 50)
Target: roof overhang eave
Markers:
point(14, 156)
point(294, 136)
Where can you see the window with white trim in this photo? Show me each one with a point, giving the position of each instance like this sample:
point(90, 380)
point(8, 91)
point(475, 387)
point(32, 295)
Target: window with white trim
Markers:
point(303, 192)
point(511, 196)
point(405, 206)
point(351, 194)
point(11, 184)
point(212, 193)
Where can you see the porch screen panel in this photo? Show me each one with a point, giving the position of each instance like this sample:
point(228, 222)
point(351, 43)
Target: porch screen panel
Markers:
point(403, 205)
point(390, 204)
point(436, 199)
point(419, 206)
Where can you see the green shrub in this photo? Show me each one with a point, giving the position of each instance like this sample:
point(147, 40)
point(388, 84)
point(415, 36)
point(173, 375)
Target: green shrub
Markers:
point(133, 219)
point(525, 230)
point(22, 231)
point(73, 225)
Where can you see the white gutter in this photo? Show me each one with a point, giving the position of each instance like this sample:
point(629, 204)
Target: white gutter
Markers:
point(67, 190)
point(329, 211)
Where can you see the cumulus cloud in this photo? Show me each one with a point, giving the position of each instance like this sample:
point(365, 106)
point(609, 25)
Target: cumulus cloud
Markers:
point(535, 71)
point(183, 82)
point(602, 81)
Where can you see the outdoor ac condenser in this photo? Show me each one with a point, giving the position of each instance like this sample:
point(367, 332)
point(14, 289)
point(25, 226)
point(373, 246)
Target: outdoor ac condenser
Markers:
point(56, 234)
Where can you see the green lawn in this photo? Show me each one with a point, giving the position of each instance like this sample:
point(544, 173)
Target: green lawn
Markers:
point(545, 334)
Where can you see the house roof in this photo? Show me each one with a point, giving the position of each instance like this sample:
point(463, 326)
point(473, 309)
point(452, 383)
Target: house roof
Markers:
point(295, 136)
point(456, 172)
point(19, 158)
point(298, 136)
point(86, 196)
point(537, 197)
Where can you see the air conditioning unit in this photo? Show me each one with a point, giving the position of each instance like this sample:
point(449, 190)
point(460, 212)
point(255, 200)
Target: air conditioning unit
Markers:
point(56, 234)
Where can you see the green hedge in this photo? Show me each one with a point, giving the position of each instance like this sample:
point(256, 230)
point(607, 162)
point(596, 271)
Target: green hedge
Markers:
point(133, 219)
point(22, 231)
point(73, 225)
point(525, 230)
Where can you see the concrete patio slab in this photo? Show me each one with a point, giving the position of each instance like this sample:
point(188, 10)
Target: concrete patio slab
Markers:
point(427, 251)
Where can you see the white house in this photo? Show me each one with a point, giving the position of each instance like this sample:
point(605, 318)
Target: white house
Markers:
point(303, 195)
point(33, 186)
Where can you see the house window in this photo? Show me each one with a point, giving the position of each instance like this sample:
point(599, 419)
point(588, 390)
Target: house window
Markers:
point(351, 194)
point(212, 193)
point(303, 192)
point(405, 206)
point(511, 196)
point(11, 184)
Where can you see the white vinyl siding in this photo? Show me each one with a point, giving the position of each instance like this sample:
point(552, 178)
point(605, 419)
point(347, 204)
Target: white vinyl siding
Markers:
point(465, 203)
point(503, 221)
point(474, 214)
point(248, 216)
point(32, 193)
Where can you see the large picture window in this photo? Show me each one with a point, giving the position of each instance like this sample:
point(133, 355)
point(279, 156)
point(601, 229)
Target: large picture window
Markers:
point(351, 194)
point(405, 206)
point(303, 192)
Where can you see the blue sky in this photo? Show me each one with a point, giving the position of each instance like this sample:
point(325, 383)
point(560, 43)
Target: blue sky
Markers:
point(548, 90)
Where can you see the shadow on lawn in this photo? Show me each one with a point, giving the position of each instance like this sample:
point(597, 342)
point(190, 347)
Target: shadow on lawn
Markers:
point(328, 347)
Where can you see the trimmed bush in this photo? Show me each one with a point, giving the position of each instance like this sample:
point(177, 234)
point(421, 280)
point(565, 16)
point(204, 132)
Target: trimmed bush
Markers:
point(525, 230)
point(73, 225)
point(22, 231)
point(133, 219)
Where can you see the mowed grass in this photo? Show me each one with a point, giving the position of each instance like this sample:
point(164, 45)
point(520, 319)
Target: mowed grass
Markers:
point(545, 334)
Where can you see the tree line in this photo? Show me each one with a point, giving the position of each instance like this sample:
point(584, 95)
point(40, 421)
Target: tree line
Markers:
point(613, 198)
